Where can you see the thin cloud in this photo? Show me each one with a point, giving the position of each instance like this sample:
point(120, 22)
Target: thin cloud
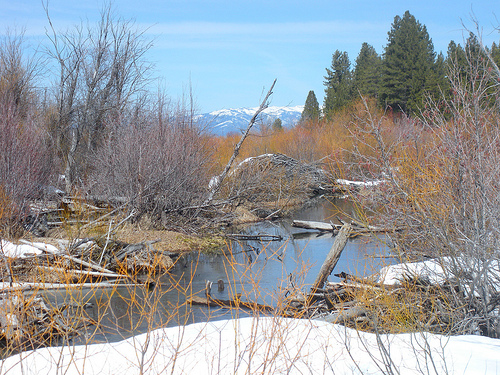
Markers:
point(285, 28)
point(227, 35)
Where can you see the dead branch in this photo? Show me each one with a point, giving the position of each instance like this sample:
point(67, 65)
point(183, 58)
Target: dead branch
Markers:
point(218, 180)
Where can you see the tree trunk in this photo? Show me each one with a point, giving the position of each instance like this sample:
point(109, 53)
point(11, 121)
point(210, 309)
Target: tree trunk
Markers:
point(70, 171)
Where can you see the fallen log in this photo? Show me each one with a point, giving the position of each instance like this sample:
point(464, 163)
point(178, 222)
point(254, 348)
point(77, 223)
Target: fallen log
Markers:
point(317, 225)
point(230, 304)
point(347, 315)
point(28, 287)
point(27, 322)
point(256, 237)
point(76, 260)
point(332, 257)
point(81, 272)
point(356, 228)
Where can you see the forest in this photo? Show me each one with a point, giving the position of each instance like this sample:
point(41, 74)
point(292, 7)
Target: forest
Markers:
point(423, 125)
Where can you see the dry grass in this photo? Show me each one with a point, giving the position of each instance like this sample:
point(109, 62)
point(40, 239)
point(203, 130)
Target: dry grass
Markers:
point(412, 306)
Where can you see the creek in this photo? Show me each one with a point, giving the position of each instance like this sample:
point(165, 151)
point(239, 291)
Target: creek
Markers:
point(257, 271)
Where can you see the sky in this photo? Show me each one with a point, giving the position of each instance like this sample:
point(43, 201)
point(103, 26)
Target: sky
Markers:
point(228, 52)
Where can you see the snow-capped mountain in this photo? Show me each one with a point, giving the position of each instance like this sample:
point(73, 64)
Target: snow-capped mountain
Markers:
point(225, 121)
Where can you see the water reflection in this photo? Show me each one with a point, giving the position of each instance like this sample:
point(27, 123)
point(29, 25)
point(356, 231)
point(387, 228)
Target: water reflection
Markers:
point(251, 270)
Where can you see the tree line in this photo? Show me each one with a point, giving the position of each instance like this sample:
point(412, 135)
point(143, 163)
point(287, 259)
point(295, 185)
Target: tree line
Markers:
point(402, 78)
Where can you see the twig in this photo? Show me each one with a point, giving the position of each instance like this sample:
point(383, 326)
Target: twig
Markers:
point(107, 241)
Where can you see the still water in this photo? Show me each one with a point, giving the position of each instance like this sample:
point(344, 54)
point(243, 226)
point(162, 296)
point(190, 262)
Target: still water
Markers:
point(259, 271)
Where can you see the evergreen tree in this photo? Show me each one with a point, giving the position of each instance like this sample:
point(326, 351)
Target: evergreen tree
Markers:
point(408, 67)
point(456, 59)
point(311, 108)
point(277, 125)
point(461, 59)
point(455, 55)
point(495, 53)
point(473, 48)
point(366, 73)
point(338, 82)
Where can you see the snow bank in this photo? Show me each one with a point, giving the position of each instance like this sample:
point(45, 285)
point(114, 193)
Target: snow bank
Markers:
point(266, 346)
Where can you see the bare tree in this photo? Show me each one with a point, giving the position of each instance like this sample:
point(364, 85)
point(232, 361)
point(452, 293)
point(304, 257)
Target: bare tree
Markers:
point(25, 163)
point(18, 71)
point(155, 158)
point(102, 69)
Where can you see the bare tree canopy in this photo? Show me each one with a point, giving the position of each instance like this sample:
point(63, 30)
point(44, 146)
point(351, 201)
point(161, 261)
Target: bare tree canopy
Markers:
point(102, 69)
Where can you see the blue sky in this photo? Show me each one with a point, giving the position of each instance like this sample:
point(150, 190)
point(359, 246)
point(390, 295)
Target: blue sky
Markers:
point(231, 51)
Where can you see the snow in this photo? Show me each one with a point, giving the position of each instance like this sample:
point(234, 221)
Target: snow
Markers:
point(11, 250)
point(271, 111)
point(266, 345)
point(269, 345)
point(214, 181)
point(430, 270)
point(437, 271)
point(359, 183)
point(26, 249)
point(249, 159)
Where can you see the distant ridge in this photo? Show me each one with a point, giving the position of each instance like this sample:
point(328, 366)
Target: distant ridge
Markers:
point(225, 121)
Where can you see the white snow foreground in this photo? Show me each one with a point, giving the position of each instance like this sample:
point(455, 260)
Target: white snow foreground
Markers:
point(266, 345)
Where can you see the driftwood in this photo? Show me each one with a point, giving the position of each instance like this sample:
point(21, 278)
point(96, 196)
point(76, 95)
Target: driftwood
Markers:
point(356, 228)
point(27, 286)
point(80, 272)
point(257, 237)
point(28, 322)
point(133, 248)
point(231, 304)
point(316, 225)
point(69, 257)
point(346, 315)
point(332, 257)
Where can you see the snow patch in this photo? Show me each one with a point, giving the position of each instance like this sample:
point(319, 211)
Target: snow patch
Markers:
point(359, 183)
point(27, 249)
point(430, 270)
point(266, 345)
point(11, 250)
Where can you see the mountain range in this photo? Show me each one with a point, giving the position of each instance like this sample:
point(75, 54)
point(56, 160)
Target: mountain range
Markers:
point(225, 121)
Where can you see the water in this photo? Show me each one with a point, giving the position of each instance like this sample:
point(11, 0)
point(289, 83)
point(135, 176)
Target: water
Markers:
point(257, 271)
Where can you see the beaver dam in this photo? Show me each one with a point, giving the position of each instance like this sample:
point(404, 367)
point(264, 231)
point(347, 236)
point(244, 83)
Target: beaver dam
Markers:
point(109, 297)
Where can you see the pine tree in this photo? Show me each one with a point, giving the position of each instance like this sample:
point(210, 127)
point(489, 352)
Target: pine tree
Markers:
point(495, 53)
point(338, 82)
point(456, 55)
point(277, 125)
point(461, 59)
point(311, 108)
point(366, 73)
point(408, 66)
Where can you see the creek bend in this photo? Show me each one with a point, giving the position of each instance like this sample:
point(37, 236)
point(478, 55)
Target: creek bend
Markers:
point(257, 271)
